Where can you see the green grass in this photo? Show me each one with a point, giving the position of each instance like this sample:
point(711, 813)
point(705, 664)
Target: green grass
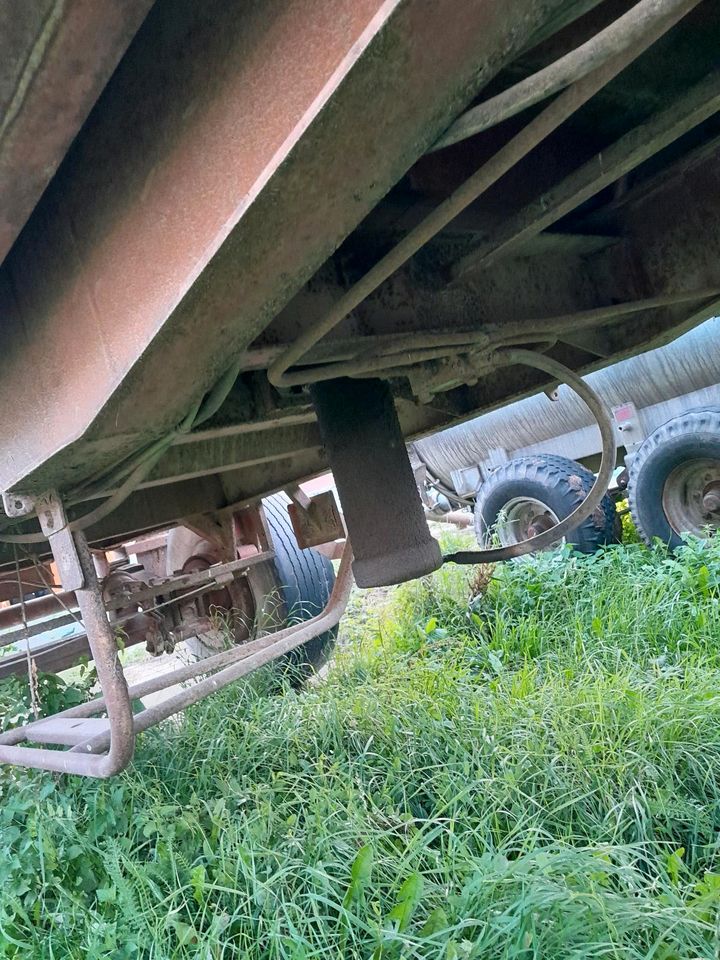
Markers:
point(533, 775)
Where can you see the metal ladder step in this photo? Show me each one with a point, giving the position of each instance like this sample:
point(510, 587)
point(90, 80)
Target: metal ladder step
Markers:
point(65, 731)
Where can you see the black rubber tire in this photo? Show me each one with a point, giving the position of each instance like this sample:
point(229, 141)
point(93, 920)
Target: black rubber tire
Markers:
point(294, 587)
point(559, 483)
point(305, 579)
point(694, 434)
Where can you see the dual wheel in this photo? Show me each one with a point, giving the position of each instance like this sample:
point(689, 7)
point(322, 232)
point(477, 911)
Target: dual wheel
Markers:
point(673, 489)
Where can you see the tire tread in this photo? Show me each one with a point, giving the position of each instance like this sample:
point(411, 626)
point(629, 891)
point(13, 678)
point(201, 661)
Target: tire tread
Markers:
point(697, 420)
point(552, 471)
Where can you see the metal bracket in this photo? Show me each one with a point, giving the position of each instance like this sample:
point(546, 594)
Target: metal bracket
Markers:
point(18, 504)
point(298, 496)
point(466, 481)
point(316, 520)
point(628, 426)
point(448, 373)
point(54, 524)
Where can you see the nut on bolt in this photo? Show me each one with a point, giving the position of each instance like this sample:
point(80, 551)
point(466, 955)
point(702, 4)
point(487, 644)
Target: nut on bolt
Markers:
point(18, 504)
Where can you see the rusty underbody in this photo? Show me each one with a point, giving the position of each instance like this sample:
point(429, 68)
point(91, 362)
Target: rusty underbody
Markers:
point(208, 211)
point(200, 186)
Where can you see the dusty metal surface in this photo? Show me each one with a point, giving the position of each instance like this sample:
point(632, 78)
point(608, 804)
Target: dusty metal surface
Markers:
point(249, 123)
point(217, 454)
point(55, 58)
point(35, 609)
point(54, 524)
point(316, 520)
point(678, 118)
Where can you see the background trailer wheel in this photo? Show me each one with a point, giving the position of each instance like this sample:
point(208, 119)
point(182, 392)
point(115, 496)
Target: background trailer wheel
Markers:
point(531, 494)
point(674, 485)
point(295, 586)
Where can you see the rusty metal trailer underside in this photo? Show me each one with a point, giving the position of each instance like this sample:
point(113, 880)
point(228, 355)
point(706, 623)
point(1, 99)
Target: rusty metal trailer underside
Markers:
point(188, 191)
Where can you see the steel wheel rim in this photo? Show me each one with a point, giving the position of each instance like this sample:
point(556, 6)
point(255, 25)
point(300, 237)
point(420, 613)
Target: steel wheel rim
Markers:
point(518, 516)
point(691, 496)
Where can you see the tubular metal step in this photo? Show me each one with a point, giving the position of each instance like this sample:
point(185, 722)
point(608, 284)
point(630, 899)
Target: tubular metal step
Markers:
point(65, 731)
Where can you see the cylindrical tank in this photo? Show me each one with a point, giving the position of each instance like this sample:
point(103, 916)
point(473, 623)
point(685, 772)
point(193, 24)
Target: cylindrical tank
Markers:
point(689, 364)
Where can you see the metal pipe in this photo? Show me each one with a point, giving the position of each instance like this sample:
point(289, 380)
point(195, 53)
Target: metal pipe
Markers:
point(145, 460)
point(375, 366)
point(627, 153)
point(437, 346)
point(105, 508)
point(121, 738)
point(622, 34)
point(65, 654)
point(490, 335)
point(325, 620)
point(35, 629)
point(507, 157)
point(32, 677)
point(81, 759)
point(591, 318)
point(161, 682)
point(39, 607)
point(598, 489)
point(454, 517)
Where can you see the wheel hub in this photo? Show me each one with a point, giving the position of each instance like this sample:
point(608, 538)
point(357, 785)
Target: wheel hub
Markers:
point(234, 600)
point(691, 496)
point(524, 517)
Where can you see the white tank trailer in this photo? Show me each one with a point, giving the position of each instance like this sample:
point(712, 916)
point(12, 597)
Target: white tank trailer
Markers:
point(526, 466)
